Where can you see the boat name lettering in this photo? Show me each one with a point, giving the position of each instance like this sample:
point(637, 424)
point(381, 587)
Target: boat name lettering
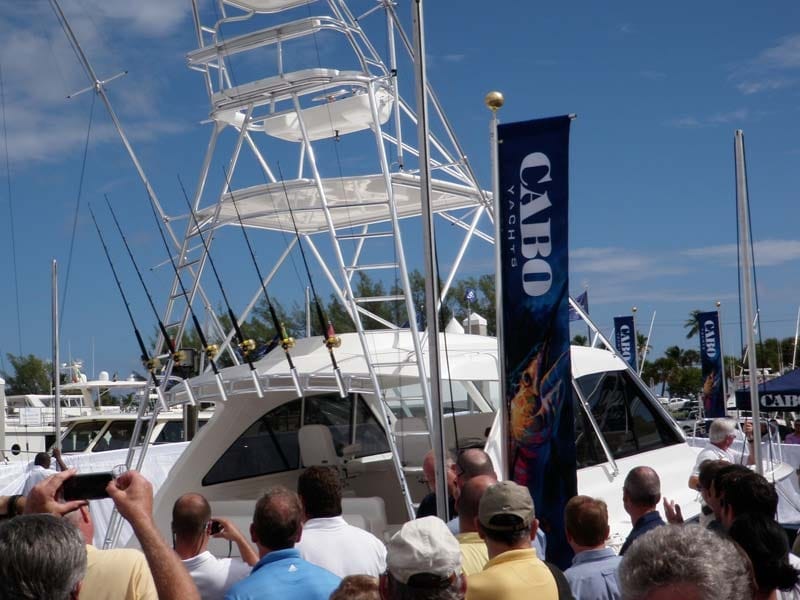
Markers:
point(537, 275)
point(625, 341)
point(710, 339)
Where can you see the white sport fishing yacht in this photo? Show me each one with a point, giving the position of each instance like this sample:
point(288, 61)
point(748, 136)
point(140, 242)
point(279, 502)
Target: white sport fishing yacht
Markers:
point(318, 136)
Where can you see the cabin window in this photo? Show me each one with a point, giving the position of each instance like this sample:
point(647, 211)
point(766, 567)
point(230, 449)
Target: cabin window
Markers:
point(80, 435)
point(629, 422)
point(270, 444)
point(116, 437)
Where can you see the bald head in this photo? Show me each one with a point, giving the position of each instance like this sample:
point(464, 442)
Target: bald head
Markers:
point(429, 470)
point(469, 500)
point(642, 487)
point(277, 520)
point(190, 515)
point(473, 462)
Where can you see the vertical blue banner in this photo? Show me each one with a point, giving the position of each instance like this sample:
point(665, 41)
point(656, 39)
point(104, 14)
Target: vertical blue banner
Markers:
point(534, 192)
point(625, 340)
point(712, 364)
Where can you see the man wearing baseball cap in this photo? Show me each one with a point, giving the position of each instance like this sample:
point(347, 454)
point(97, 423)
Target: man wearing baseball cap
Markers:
point(507, 523)
point(423, 562)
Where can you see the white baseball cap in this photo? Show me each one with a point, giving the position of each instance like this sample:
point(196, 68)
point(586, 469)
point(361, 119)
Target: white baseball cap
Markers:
point(426, 546)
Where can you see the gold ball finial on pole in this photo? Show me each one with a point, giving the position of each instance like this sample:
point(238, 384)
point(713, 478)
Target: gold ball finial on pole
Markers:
point(494, 100)
point(634, 309)
point(719, 303)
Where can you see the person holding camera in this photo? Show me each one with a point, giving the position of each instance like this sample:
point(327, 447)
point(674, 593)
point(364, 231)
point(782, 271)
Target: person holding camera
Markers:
point(192, 527)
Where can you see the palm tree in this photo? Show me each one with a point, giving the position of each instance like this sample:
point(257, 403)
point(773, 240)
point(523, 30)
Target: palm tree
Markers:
point(579, 340)
point(642, 345)
point(691, 324)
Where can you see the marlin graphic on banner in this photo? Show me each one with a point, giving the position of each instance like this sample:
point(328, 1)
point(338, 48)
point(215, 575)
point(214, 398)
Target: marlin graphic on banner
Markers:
point(534, 191)
point(711, 362)
point(625, 339)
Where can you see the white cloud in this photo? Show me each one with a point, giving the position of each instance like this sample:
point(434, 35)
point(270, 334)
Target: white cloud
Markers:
point(768, 253)
point(652, 74)
point(621, 263)
point(734, 116)
point(769, 70)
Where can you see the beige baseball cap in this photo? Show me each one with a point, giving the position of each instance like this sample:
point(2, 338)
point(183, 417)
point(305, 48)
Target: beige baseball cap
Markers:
point(506, 498)
point(423, 546)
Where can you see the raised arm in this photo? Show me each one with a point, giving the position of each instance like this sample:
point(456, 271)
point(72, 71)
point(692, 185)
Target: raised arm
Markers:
point(231, 533)
point(133, 496)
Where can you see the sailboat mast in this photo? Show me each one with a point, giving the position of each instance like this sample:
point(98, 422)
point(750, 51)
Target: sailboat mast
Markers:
point(747, 283)
point(435, 419)
point(56, 359)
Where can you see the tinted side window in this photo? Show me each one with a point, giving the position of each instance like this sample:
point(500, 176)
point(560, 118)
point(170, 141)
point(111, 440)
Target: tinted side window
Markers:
point(117, 436)
point(78, 438)
point(630, 424)
point(270, 444)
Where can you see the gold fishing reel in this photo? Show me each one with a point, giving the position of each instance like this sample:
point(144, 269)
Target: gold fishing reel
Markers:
point(286, 340)
point(178, 357)
point(211, 351)
point(333, 341)
point(247, 346)
point(152, 364)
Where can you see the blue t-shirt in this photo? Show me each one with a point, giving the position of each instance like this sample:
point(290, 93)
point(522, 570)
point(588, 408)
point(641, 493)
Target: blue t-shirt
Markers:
point(283, 574)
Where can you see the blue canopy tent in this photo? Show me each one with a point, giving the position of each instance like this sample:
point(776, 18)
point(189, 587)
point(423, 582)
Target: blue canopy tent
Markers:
point(781, 393)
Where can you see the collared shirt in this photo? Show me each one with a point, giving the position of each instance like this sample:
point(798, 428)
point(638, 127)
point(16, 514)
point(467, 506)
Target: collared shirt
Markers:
point(513, 575)
point(713, 452)
point(593, 575)
point(118, 574)
point(644, 524)
point(341, 548)
point(427, 508)
point(474, 554)
point(282, 574)
point(539, 543)
point(213, 576)
point(36, 474)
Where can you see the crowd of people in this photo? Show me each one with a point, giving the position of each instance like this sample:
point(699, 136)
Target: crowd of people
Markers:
point(301, 547)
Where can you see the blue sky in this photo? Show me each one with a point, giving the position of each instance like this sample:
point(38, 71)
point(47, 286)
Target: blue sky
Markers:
point(658, 90)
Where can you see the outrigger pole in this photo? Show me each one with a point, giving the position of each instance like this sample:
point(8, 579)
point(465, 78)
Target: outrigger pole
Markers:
point(151, 364)
point(245, 345)
point(211, 350)
point(331, 340)
point(280, 329)
point(174, 352)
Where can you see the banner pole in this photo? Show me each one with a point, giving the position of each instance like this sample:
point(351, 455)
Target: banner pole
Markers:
point(647, 343)
point(635, 341)
point(494, 101)
point(722, 351)
point(796, 332)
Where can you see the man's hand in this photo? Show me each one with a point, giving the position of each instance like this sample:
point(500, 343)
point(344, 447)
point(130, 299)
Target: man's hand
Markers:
point(229, 531)
point(748, 428)
point(672, 512)
point(44, 497)
point(133, 496)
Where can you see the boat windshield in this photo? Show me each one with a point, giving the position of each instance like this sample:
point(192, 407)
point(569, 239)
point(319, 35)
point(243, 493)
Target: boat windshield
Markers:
point(80, 435)
point(270, 444)
point(458, 397)
point(625, 415)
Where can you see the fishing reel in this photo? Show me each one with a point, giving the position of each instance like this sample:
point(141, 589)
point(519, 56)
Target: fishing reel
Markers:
point(286, 340)
point(179, 357)
point(247, 346)
point(333, 341)
point(211, 351)
point(152, 364)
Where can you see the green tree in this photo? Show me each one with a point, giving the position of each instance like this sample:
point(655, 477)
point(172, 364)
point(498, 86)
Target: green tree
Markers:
point(31, 375)
point(691, 324)
point(579, 340)
point(642, 345)
point(685, 381)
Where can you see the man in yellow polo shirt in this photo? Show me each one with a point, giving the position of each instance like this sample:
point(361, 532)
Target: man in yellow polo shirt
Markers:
point(507, 524)
point(474, 555)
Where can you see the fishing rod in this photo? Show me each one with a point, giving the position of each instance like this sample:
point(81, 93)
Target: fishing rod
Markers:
point(151, 364)
point(245, 345)
point(211, 350)
point(176, 354)
point(331, 340)
point(280, 329)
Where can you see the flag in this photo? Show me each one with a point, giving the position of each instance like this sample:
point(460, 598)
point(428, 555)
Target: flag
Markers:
point(581, 300)
point(711, 363)
point(533, 160)
point(625, 339)
point(470, 295)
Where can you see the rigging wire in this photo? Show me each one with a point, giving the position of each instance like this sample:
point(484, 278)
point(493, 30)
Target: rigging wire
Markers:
point(11, 211)
point(77, 213)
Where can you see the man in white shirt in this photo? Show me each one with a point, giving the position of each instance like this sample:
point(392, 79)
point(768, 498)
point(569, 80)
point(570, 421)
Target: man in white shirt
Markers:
point(328, 541)
point(192, 526)
point(721, 436)
point(38, 471)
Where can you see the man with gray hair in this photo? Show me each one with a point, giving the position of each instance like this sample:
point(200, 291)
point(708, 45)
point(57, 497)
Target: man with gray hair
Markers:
point(685, 561)
point(641, 494)
point(721, 435)
point(423, 562)
point(42, 557)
